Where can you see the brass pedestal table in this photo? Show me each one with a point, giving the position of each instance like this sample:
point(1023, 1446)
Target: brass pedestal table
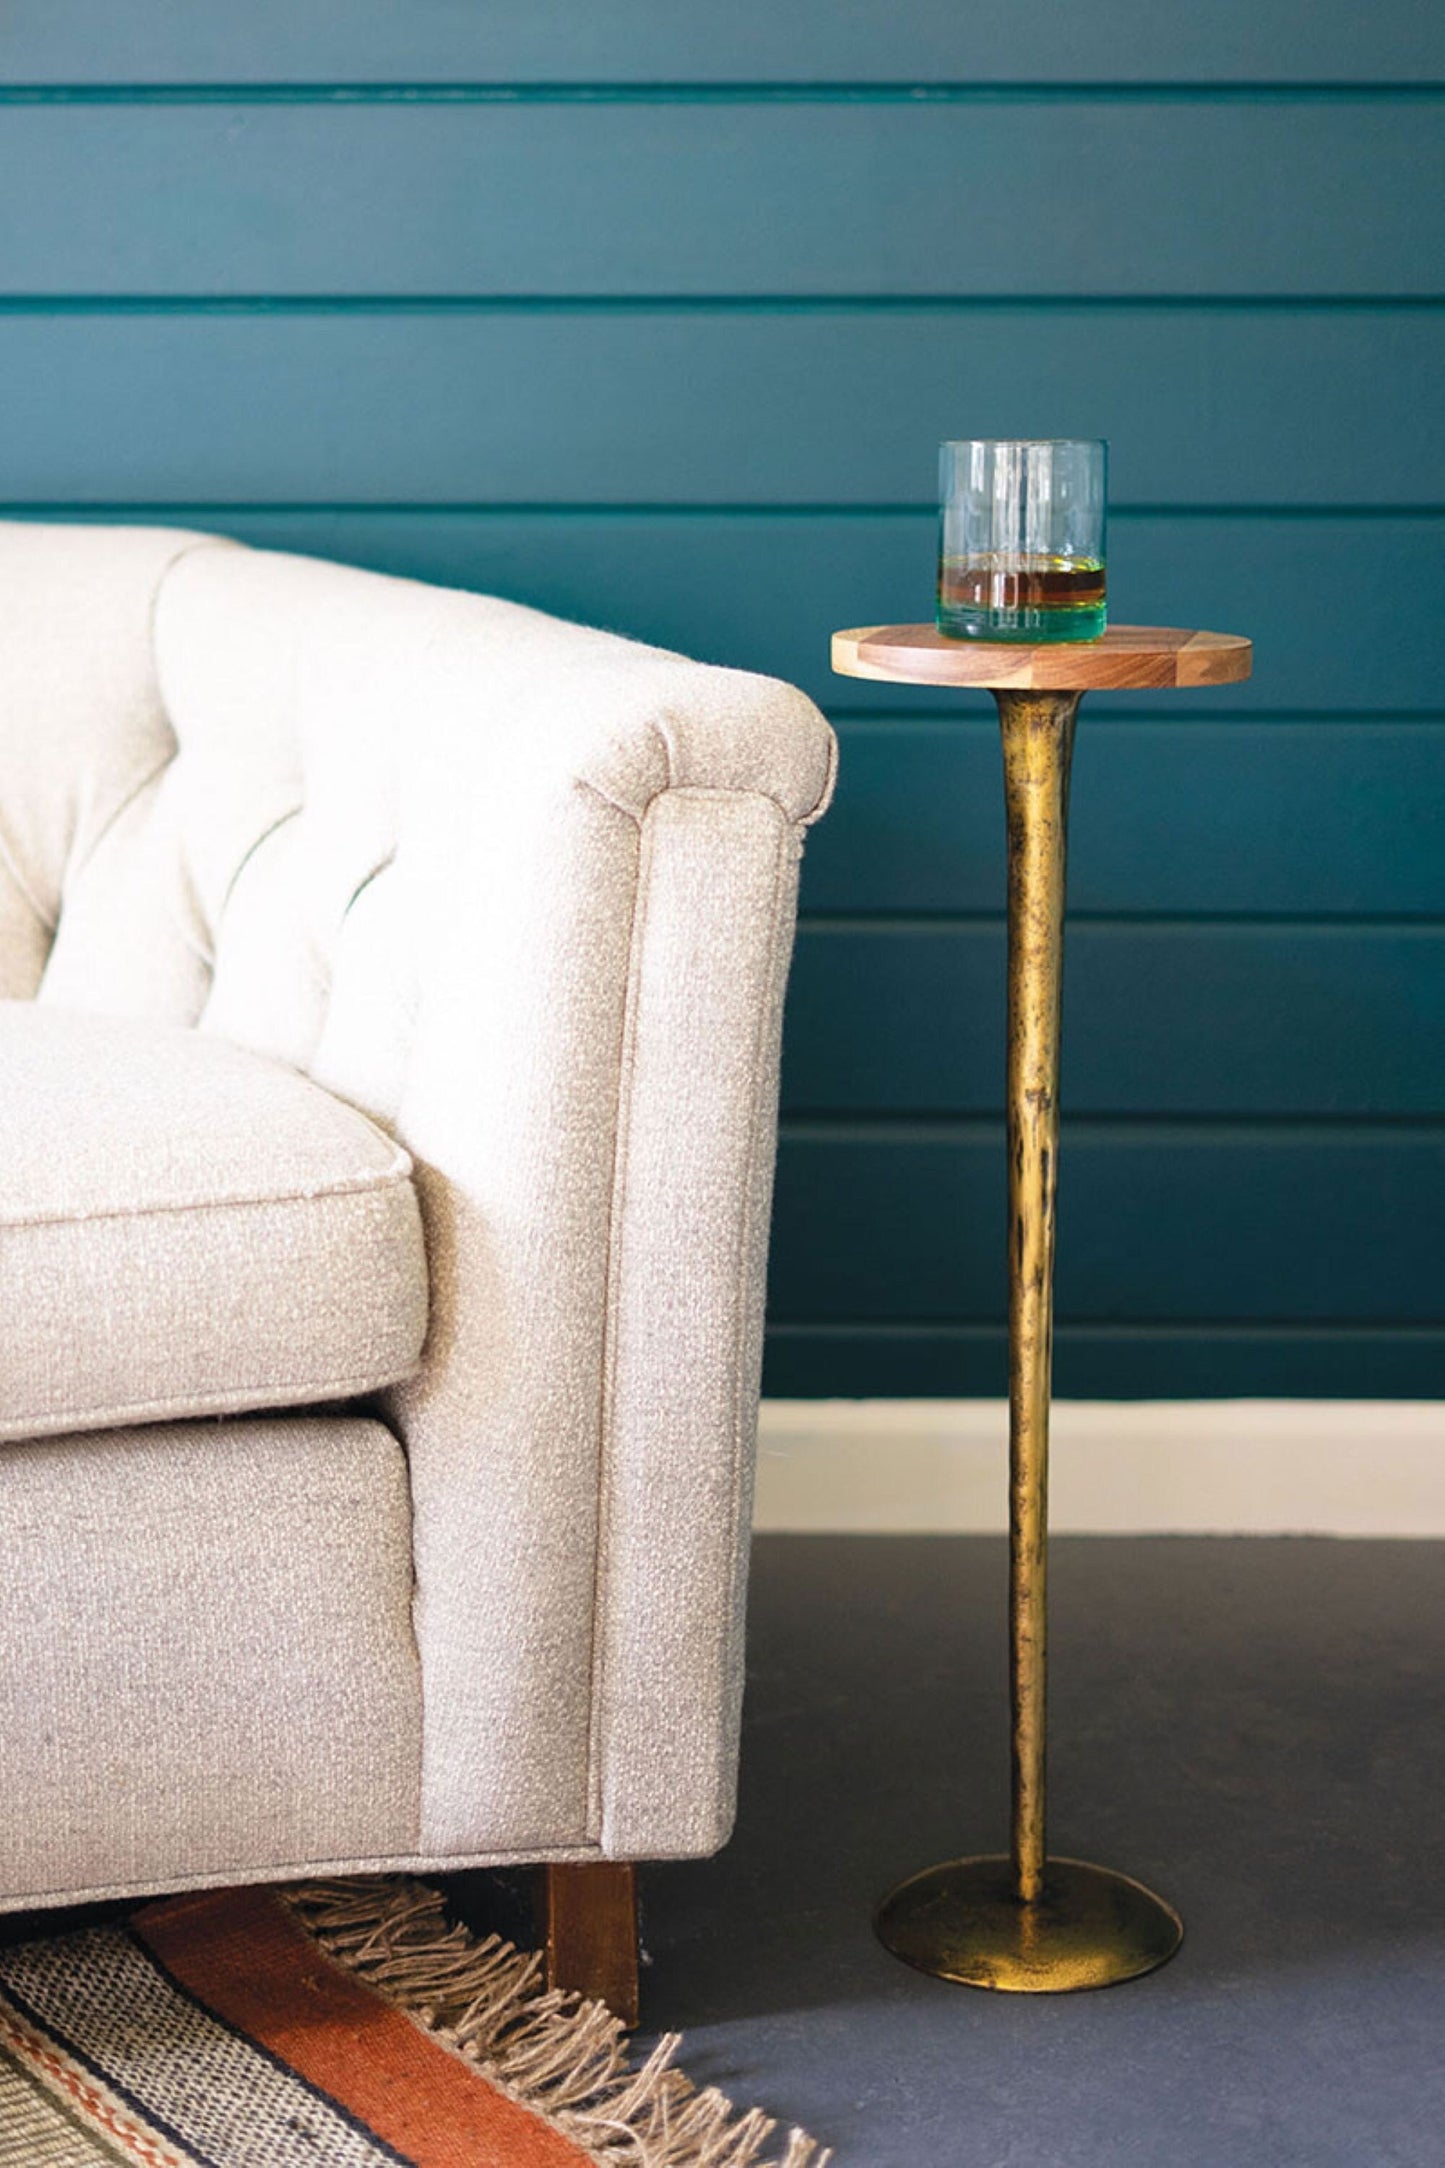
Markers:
point(1025, 1921)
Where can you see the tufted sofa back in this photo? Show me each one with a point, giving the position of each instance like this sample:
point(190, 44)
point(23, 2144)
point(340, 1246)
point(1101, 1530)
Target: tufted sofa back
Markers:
point(202, 791)
point(524, 893)
point(237, 788)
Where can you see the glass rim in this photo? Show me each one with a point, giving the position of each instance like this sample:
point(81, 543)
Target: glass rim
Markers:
point(1026, 443)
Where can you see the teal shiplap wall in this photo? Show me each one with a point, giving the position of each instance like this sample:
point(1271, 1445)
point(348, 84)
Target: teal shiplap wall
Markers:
point(653, 314)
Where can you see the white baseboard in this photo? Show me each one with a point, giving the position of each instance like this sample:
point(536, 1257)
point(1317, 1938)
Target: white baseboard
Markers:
point(1177, 1467)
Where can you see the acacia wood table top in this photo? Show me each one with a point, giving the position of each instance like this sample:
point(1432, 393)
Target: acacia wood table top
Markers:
point(1126, 656)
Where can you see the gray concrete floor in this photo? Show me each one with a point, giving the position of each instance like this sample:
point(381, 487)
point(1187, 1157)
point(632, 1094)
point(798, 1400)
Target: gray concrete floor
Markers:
point(1252, 1726)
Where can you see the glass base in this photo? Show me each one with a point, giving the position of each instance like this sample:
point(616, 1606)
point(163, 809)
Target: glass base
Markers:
point(1032, 628)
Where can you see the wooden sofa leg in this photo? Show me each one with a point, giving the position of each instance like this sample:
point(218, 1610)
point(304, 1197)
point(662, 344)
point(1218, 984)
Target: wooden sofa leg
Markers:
point(590, 1932)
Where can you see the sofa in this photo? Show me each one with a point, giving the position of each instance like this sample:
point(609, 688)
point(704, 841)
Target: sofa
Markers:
point(390, 994)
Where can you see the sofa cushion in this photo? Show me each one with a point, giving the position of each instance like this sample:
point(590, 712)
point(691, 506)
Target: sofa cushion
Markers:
point(188, 1228)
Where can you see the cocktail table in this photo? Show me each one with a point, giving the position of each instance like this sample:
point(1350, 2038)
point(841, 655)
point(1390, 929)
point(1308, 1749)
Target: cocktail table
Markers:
point(1024, 1920)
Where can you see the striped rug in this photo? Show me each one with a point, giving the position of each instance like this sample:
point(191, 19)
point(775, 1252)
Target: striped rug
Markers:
point(346, 2025)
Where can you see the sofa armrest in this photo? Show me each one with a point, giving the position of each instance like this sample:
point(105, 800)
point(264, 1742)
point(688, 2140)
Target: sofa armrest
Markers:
point(695, 1152)
point(591, 1097)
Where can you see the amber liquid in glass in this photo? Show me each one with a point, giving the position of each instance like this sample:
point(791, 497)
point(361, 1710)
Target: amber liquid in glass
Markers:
point(1010, 595)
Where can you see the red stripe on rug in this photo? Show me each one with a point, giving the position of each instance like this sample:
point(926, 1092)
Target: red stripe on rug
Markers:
point(241, 1953)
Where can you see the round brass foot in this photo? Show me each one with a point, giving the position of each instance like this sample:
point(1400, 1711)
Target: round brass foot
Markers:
point(1091, 1927)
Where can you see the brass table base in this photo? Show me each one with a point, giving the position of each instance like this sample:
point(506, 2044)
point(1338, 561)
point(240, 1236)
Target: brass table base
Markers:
point(1089, 1928)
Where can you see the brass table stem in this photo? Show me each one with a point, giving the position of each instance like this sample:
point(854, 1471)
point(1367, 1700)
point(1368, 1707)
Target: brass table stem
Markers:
point(1038, 740)
point(1029, 1922)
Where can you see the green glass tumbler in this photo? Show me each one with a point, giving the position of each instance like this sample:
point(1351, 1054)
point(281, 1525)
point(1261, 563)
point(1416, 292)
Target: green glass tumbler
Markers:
point(1021, 551)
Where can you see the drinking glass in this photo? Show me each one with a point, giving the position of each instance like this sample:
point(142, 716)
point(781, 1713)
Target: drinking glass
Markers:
point(1021, 553)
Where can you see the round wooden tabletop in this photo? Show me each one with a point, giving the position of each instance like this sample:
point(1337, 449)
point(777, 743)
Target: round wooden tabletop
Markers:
point(1126, 656)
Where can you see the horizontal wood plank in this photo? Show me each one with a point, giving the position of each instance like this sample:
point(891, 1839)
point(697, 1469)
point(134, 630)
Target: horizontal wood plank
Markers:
point(764, 591)
point(763, 198)
point(1170, 1222)
point(761, 406)
point(647, 41)
point(1124, 1362)
point(1168, 816)
point(1180, 1019)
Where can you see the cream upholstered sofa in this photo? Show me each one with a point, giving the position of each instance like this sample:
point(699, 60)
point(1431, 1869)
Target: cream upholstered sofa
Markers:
point(390, 984)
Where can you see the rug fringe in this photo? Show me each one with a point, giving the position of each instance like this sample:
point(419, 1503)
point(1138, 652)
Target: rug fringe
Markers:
point(554, 2053)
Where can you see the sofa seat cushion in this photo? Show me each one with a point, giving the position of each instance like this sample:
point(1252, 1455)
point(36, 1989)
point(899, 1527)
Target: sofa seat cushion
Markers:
point(187, 1228)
